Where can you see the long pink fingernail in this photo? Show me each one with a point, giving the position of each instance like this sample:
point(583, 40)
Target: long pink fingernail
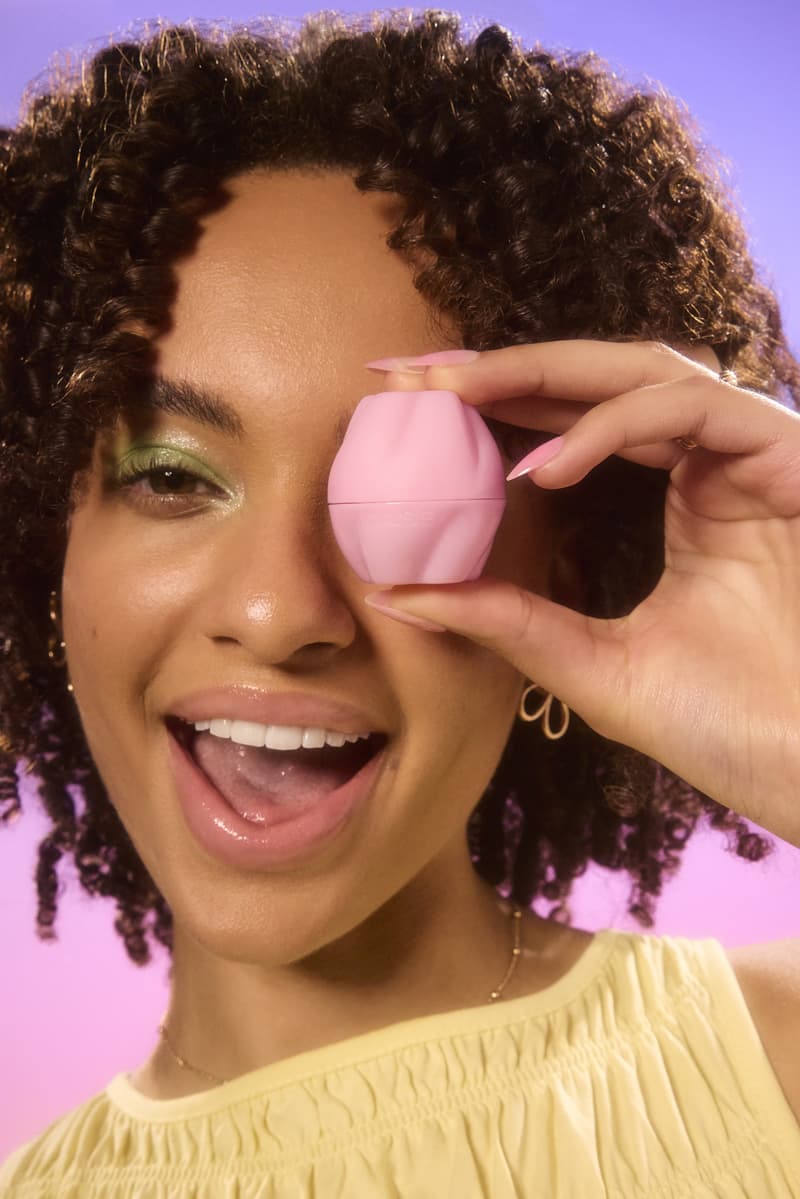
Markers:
point(538, 457)
point(438, 358)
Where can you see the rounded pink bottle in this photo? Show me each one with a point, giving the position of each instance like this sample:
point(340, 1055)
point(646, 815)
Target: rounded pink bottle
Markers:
point(417, 490)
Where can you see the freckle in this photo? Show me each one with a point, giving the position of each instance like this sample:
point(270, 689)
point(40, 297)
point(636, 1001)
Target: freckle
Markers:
point(94, 632)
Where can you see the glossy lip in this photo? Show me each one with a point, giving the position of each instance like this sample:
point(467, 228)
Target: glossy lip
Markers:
point(292, 708)
point(227, 836)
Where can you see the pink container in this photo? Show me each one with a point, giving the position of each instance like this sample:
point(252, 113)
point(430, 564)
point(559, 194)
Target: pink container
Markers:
point(417, 490)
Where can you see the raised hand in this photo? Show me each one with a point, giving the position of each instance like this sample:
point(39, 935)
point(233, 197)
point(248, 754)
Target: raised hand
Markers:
point(704, 675)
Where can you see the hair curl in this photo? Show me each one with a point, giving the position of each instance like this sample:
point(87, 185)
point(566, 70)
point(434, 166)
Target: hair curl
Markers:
point(543, 199)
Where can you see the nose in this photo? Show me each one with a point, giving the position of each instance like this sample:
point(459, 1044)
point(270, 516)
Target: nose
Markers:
point(280, 587)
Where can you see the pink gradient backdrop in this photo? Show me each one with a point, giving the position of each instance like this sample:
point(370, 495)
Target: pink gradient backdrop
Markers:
point(76, 1011)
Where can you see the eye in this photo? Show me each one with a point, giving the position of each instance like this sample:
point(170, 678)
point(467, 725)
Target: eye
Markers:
point(161, 479)
point(165, 480)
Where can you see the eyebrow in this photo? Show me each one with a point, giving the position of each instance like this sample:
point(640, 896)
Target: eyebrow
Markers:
point(182, 398)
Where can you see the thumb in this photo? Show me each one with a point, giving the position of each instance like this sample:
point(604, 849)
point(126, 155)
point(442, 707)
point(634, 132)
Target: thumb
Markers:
point(559, 649)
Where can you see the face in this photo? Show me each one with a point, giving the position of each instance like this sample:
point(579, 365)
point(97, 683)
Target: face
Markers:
point(290, 290)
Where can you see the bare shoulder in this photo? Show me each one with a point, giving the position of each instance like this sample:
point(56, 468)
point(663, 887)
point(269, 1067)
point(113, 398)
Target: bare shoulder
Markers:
point(769, 977)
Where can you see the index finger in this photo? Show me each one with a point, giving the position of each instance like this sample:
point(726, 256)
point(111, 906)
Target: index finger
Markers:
point(577, 369)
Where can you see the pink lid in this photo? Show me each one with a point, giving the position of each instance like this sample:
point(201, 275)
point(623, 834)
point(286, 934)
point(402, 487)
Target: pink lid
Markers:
point(416, 445)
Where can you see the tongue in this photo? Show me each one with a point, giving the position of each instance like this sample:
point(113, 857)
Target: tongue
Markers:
point(255, 780)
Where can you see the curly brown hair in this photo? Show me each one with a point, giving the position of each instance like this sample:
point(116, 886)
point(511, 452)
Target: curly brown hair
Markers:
point(542, 198)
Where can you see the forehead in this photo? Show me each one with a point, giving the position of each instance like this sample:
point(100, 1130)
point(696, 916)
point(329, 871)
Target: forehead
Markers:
point(299, 254)
point(292, 281)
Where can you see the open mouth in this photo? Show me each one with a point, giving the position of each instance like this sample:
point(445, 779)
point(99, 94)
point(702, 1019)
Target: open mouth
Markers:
point(252, 779)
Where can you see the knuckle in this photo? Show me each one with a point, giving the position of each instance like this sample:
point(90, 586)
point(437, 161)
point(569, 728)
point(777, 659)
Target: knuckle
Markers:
point(662, 347)
point(659, 347)
point(709, 383)
point(702, 355)
point(524, 618)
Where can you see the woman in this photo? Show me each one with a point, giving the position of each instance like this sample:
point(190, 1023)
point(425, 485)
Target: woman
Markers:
point(213, 247)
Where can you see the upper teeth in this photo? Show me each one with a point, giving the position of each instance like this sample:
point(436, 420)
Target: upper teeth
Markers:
point(275, 736)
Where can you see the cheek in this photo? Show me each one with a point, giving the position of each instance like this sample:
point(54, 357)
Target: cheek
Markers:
point(120, 604)
point(88, 608)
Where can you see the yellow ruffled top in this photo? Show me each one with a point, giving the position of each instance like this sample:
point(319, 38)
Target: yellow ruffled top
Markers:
point(638, 1074)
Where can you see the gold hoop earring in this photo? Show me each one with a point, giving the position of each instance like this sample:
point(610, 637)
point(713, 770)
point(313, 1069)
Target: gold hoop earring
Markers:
point(545, 708)
point(56, 646)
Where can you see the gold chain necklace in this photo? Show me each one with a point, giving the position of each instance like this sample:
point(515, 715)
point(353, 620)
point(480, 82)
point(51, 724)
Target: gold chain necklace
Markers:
point(516, 914)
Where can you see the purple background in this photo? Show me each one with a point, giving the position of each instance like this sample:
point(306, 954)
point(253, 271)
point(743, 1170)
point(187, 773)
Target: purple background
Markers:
point(76, 1011)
